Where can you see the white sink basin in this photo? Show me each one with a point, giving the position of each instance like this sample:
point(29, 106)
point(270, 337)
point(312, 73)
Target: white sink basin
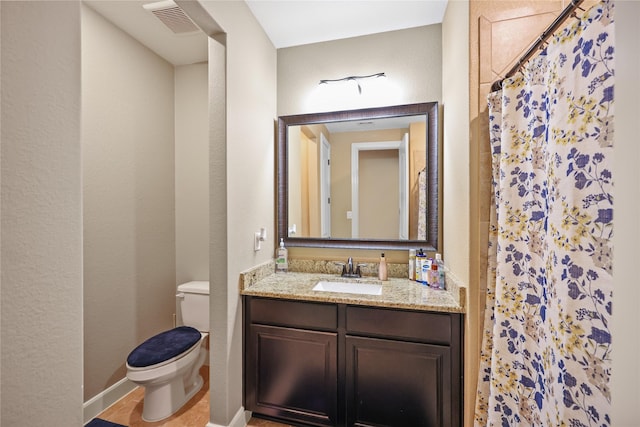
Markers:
point(349, 287)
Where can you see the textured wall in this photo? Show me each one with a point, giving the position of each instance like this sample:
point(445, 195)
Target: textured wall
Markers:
point(412, 60)
point(128, 198)
point(192, 173)
point(626, 317)
point(455, 146)
point(41, 360)
point(242, 108)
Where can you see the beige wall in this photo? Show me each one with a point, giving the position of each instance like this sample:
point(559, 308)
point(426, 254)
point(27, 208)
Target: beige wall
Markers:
point(128, 198)
point(625, 381)
point(242, 91)
point(192, 172)
point(455, 147)
point(411, 59)
point(41, 219)
point(457, 174)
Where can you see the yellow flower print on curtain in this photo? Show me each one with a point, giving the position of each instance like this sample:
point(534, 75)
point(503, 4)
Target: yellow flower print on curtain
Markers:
point(546, 354)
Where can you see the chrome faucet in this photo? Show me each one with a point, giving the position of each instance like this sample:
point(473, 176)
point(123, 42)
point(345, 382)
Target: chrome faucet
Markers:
point(348, 271)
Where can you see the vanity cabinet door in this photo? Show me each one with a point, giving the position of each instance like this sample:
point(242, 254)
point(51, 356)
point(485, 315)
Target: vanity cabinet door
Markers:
point(395, 383)
point(292, 374)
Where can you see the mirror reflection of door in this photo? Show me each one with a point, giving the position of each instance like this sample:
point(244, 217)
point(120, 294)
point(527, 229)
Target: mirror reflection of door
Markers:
point(403, 188)
point(310, 181)
point(304, 180)
point(325, 187)
point(380, 189)
point(378, 197)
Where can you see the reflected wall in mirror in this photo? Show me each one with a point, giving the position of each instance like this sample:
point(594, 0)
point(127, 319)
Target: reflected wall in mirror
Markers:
point(359, 179)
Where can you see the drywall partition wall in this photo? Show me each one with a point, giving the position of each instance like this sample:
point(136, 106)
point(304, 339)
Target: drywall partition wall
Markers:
point(456, 170)
point(242, 112)
point(0, 220)
point(410, 58)
point(192, 172)
point(455, 146)
point(222, 406)
point(625, 378)
point(128, 198)
point(41, 222)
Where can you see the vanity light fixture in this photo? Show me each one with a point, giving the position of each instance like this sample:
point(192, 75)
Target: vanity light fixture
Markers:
point(355, 79)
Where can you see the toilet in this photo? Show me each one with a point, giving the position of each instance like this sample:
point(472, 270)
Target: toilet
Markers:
point(168, 365)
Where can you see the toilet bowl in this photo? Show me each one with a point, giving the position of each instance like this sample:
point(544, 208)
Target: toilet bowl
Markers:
point(168, 364)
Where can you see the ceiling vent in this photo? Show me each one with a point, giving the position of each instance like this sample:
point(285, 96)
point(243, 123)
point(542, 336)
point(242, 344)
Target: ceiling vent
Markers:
point(172, 16)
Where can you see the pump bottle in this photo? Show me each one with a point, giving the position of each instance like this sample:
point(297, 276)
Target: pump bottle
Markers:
point(282, 261)
point(382, 268)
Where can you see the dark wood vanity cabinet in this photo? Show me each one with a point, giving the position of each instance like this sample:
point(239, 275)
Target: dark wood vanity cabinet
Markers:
point(291, 363)
point(341, 365)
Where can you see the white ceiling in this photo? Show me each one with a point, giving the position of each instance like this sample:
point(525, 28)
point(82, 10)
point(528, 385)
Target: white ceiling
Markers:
point(293, 23)
point(132, 18)
point(286, 22)
point(401, 122)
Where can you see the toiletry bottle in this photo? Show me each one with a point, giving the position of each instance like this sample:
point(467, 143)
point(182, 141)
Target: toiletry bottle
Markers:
point(441, 275)
point(434, 278)
point(382, 268)
point(421, 261)
point(426, 271)
point(282, 261)
point(412, 264)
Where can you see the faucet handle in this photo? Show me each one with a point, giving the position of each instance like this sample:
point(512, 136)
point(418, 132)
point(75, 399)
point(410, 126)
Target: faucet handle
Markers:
point(358, 273)
point(343, 265)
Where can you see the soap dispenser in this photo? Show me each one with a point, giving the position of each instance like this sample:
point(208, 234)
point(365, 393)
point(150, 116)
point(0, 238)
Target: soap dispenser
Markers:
point(382, 268)
point(282, 261)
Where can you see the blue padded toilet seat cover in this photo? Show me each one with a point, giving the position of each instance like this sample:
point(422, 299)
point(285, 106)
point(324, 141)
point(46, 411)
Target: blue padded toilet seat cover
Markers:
point(164, 346)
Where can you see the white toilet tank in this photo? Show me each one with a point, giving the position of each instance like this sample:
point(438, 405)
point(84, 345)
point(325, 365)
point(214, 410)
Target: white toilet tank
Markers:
point(192, 305)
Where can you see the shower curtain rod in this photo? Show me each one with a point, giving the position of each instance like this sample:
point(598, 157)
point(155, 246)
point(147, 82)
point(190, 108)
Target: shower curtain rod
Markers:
point(566, 13)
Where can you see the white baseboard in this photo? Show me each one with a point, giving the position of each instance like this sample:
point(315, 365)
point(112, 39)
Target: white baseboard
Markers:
point(241, 419)
point(102, 401)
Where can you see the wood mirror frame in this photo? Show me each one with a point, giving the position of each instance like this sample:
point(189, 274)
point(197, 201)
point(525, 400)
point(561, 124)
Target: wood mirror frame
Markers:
point(430, 109)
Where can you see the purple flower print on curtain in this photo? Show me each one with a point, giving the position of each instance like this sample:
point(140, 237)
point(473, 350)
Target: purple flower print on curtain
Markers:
point(546, 353)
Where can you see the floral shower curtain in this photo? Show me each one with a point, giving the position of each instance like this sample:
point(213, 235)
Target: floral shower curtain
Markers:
point(546, 353)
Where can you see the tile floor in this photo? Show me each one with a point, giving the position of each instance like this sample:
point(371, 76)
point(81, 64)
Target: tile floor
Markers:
point(128, 411)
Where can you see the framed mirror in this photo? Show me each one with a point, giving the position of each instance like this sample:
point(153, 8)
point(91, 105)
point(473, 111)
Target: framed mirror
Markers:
point(360, 179)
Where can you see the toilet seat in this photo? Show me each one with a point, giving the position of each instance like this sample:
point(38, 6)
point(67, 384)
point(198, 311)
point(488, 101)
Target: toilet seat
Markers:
point(169, 384)
point(164, 348)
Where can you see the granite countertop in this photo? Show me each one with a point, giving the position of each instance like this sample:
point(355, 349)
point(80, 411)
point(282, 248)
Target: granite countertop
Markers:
point(396, 292)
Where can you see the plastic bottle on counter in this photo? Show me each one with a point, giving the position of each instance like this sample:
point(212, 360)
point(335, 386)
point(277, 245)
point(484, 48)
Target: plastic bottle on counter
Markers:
point(422, 267)
point(282, 258)
point(382, 268)
point(412, 264)
point(434, 278)
point(441, 275)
